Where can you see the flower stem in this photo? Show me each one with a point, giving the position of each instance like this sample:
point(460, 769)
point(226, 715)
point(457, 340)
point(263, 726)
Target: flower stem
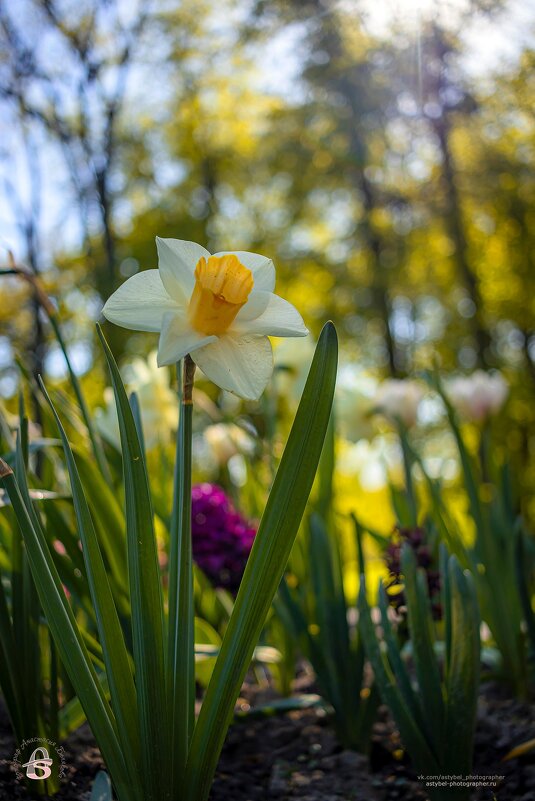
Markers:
point(181, 642)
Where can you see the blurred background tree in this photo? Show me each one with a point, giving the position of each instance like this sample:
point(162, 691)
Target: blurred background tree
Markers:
point(362, 145)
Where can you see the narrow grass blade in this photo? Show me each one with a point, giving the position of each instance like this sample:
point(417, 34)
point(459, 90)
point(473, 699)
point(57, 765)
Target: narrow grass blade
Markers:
point(145, 597)
point(326, 473)
point(67, 637)
point(331, 613)
point(71, 715)
point(414, 739)
point(273, 542)
point(408, 464)
point(398, 666)
point(420, 625)
point(121, 681)
point(9, 668)
point(94, 437)
point(136, 412)
point(108, 517)
point(463, 675)
point(470, 480)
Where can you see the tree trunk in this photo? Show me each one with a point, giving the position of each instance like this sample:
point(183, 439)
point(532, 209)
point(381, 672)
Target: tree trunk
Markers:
point(456, 230)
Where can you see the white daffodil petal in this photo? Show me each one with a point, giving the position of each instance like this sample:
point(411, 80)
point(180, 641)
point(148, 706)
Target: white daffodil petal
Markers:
point(140, 303)
point(177, 260)
point(271, 315)
point(177, 339)
point(240, 364)
point(262, 268)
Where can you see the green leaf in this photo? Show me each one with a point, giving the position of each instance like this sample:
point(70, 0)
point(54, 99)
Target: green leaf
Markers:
point(470, 480)
point(71, 715)
point(281, 706)
point(145, 596)
point(397, 664)
point(9, 668)
point(523, 586)
point(94, 437)
point(204, 662)
point(414, 739)
point(136, 413)
point(121, 681)
point(425, 663)
point(326, 472)
point(330, 613)
point(108, 518)
point(463, 674)
point(408, 464)
point(272, 545)
point(67, 636)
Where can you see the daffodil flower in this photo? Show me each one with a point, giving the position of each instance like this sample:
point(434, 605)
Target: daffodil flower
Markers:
point(218, 308)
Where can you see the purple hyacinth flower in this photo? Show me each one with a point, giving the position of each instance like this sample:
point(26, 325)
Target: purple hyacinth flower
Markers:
point(221, 537)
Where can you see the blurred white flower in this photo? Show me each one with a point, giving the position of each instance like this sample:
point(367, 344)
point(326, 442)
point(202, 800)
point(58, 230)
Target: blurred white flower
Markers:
point(158, 403)
point(293, 358)
point(478, 396)
point(440, 455)
point(220, 309)
point(399, 400)
point(354, 403)
point(226, 440)
point(371, 462)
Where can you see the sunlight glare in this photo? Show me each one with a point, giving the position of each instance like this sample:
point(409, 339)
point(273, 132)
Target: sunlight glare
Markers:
point(381, 15)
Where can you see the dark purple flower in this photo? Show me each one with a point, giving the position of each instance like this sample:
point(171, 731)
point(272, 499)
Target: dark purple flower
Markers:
point(221, 537)
point(416, 538)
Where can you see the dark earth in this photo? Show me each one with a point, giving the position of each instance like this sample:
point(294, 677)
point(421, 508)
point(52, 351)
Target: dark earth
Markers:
point(295, 756)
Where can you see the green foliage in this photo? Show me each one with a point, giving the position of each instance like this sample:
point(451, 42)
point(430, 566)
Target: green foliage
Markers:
point(493, 555)
point(316, 611)
point(436, 719)
point(39, 703)
point(139, 721)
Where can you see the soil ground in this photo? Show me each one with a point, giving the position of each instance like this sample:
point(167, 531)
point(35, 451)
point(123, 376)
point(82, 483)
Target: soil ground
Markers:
point(296, 756)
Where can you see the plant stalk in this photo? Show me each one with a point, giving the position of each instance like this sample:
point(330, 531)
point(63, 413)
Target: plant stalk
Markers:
point(181, 639)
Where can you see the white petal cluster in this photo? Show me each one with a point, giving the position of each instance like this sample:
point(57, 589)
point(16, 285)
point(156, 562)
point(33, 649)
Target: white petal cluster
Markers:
point(399, 399)
point(478, 396)
point(239, 359)
point(226, 440)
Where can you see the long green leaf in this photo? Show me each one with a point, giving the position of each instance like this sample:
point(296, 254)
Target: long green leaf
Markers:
point(266, 563)
point(397, 664)
point(9, 670)
point(94, 437)
point(470, 479)
point(414, 739)
point(121, 681)
point(420, 625)
point(108, 517)
point(64, 628)
point(71, 715)
point(463, 674)
point(330, 613)
point(145, 596)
